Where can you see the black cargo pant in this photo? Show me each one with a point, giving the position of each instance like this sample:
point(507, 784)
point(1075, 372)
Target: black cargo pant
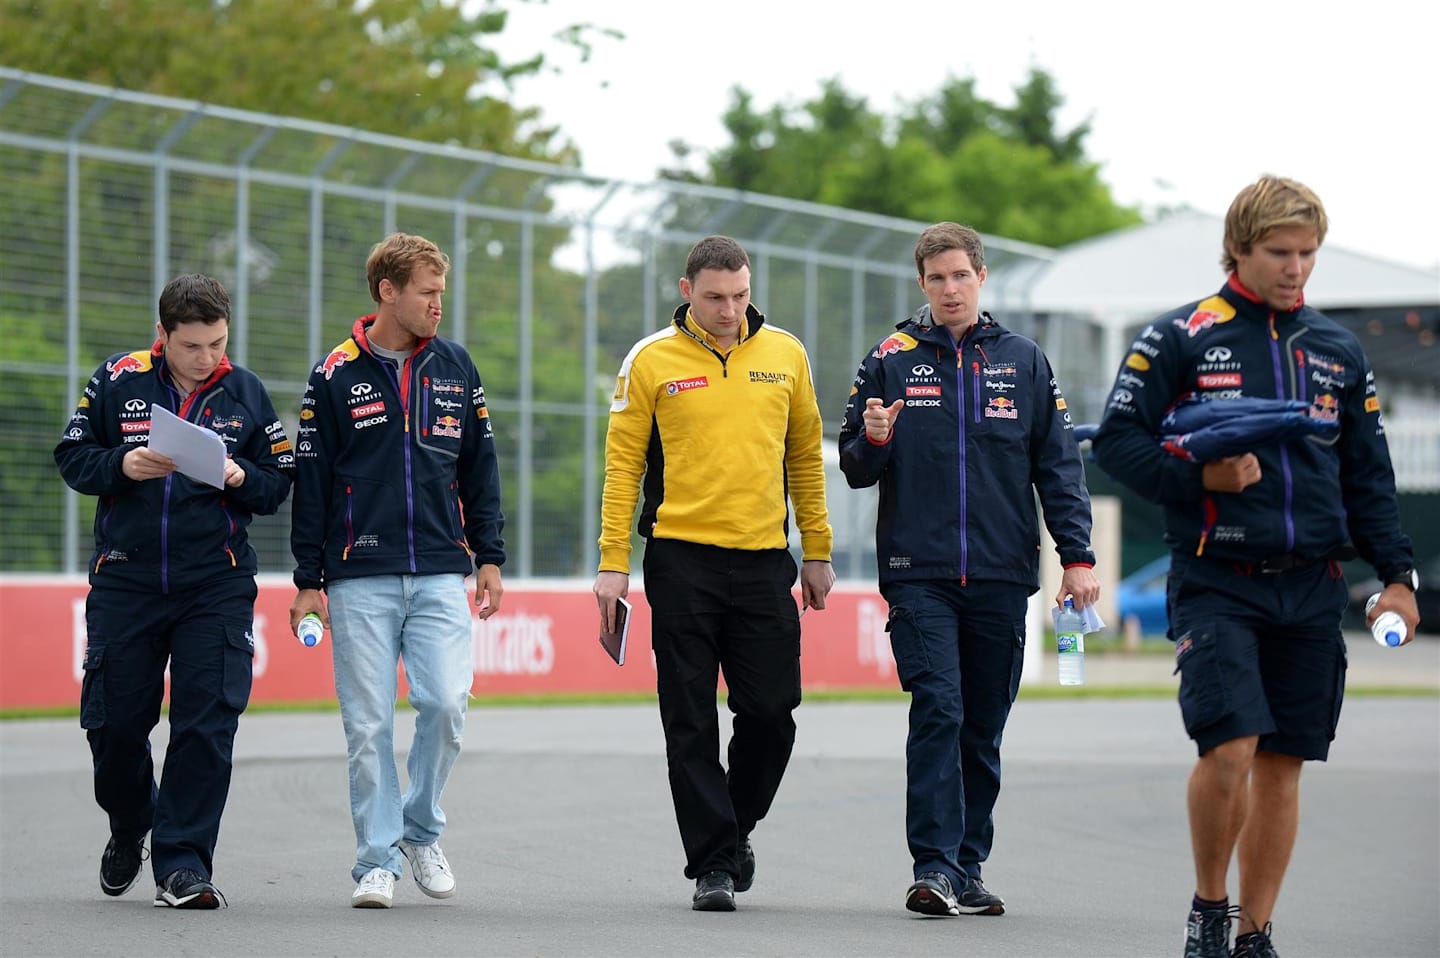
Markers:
point(729, 610)
point(205, 635)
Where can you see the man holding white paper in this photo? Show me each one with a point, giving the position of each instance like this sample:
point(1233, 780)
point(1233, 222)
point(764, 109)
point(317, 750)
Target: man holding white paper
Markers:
point(172, 584)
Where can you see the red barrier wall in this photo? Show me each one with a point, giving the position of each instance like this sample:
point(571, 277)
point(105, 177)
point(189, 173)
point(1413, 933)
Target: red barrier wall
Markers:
point(543, 640)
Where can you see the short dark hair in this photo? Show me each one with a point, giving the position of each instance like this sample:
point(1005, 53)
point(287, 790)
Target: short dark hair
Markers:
point(943, 237)
point(395, 258)
point(715, 252)
point(193, 298)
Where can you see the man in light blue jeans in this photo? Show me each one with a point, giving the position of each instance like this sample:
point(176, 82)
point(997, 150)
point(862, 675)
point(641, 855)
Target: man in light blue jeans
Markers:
point(397, 500)
point(424, 620)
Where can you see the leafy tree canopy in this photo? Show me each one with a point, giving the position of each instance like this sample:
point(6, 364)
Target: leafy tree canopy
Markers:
point(413, 68)
point(1006, 170)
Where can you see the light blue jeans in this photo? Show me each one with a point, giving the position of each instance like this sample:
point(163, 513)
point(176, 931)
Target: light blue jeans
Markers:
point(376, 621)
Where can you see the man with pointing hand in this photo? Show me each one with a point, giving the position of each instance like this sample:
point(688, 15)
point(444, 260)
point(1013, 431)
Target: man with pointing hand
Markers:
point(957, 544)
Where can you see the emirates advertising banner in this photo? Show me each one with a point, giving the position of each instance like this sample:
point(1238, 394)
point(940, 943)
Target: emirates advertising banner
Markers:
point(544, 640)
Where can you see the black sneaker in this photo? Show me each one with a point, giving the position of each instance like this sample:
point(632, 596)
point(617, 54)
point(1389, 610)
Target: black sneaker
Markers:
point(1255, 945)
point(120, 865)
point(931, 895)
point(186, 888)
point(1207, 932)
point(714, 891)
point(747, 867)
point(975, 900)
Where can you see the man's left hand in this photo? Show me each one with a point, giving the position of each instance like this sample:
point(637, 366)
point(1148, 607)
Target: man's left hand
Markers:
point(817, 577)
point(487, 591)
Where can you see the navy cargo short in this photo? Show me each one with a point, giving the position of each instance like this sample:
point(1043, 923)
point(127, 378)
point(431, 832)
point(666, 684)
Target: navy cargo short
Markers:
point(1259, 653)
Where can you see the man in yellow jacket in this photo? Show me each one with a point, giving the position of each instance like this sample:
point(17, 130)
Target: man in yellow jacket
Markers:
point(717, 415)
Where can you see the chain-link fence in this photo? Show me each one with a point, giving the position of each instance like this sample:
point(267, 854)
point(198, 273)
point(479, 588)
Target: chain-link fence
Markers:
point(107, 194)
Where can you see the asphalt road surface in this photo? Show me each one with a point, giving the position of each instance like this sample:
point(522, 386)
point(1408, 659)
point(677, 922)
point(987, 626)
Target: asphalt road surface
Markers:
point(563, 842)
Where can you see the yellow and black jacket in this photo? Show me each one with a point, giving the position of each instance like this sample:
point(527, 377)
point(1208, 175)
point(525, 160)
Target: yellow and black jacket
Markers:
point(720, 437)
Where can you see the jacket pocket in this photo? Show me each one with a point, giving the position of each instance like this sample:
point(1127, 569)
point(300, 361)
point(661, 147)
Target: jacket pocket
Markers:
point(92, 688)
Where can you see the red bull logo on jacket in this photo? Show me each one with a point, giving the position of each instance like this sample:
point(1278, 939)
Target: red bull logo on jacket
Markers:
point(894, 343)
point(1001, 408)
point(338, 357)
point(1326, 406)
point(136, 362)
point(1207, 313)
point(446, 426)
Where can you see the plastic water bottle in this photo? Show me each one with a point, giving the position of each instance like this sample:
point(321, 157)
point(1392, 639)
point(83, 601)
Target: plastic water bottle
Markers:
point(1070, 644)
point(1389, 629)
point(311, 630)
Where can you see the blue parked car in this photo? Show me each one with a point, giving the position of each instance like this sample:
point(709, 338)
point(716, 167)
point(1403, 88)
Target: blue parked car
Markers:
point(1141, 596)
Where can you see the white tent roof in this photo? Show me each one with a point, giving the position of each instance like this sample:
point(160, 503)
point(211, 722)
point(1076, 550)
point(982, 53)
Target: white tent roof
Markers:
point(1133, 274)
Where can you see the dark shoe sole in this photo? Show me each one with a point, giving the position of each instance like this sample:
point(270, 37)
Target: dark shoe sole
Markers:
point(715, 901)
point(926, 902)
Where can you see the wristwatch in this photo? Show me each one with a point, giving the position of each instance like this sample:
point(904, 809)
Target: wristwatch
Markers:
point(1406, 577)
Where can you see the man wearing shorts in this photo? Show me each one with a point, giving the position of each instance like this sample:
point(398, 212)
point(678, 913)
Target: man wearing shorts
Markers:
point(1255, 591)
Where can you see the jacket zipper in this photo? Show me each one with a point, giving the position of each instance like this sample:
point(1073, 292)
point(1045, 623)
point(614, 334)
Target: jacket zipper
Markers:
point(402, 387)
point(1276, 360)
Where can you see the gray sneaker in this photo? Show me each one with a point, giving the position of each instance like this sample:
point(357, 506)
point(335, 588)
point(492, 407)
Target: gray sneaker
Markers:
point(1207, 932)
point(714, 891)
point(931, 895)
point(1257, 945)
point(975, 900)
point(747, 867)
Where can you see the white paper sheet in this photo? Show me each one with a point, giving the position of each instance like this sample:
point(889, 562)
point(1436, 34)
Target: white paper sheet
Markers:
point(197, 452)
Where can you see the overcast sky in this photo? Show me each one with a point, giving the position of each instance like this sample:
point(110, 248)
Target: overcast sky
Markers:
point(1187, 101)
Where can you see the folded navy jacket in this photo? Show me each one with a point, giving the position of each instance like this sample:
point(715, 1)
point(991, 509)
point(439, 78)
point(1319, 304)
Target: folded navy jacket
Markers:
point(1202, 430)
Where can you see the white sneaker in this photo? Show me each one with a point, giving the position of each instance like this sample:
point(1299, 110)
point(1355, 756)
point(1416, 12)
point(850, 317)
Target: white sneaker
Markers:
point(430, 869)
point(376, 889)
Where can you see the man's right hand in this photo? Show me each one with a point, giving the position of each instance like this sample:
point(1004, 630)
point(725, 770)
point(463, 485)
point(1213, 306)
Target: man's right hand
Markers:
point(140, 464)
point(610, 586)
point(307, 601)
point(880, 419)
point(1232, 474)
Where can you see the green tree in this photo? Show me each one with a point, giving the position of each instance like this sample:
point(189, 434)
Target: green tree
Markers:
point(414, 68)
point(32, 419)
point(1006, 170)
